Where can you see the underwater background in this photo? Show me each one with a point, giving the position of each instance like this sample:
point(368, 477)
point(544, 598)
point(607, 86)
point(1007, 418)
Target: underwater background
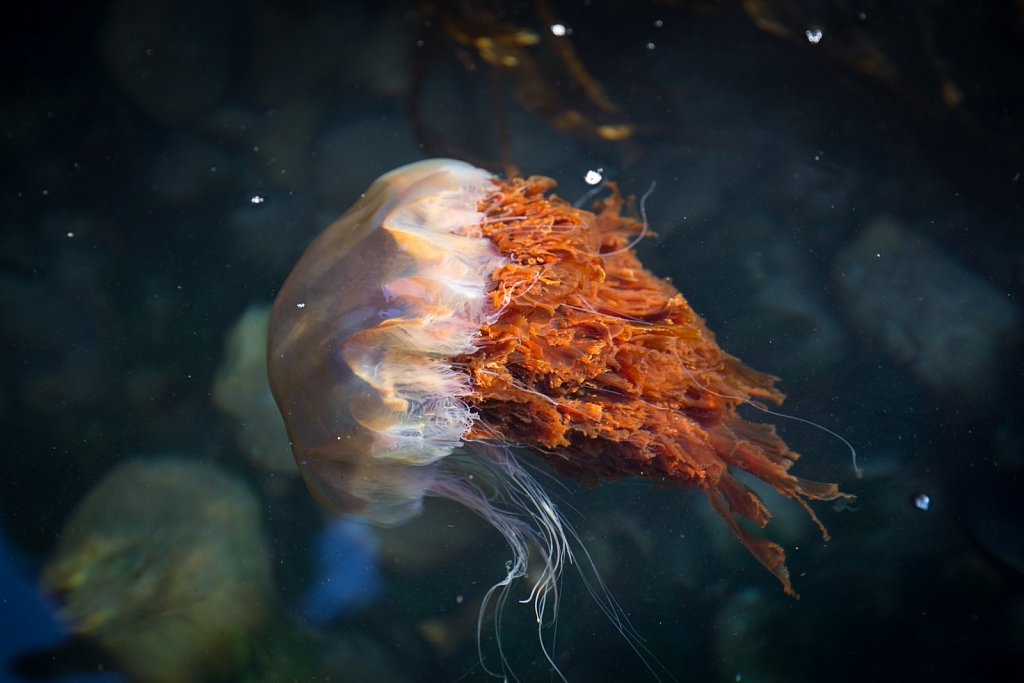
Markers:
point(838, 192)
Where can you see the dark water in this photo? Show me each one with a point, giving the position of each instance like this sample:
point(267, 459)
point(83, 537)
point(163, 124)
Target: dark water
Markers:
point(839, 193)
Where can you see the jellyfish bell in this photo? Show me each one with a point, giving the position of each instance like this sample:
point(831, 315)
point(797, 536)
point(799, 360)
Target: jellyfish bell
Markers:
point(363, 332)
point(450, 314)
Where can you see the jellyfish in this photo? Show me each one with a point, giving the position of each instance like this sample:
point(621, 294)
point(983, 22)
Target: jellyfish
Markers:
point(452, 320)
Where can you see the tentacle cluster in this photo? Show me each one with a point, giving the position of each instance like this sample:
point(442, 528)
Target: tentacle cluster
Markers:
point(605, 368)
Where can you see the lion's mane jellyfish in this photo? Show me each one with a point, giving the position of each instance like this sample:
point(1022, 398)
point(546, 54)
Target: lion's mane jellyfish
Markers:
point(451, 314)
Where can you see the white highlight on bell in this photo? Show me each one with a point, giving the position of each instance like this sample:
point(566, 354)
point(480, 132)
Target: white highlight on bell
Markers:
point(405, 358)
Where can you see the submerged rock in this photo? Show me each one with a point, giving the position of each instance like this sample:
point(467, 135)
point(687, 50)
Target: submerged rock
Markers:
point(346, 572)
point(242, 391)
point(947, 324)
point(165, 565)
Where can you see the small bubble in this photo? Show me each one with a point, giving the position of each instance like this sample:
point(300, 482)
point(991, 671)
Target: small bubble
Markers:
point(149, 52)
point(650, 46)
point(658, 23)
point(71, 234)
point(922, 501)
point(593, 177)
point(558, 30)
point(459, 599)
point(257, 199)
point(300, 305)
point(814, 35)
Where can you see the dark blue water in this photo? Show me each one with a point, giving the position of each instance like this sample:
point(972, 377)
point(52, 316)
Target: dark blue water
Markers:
point(839, 193)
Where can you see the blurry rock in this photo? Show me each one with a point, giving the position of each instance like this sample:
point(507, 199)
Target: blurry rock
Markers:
point(1008, 446)
point(281, 140)
point(435, 541)
point(947, 324)
point(242, 391)
point(362, 658)
point(165, 564)
point(743, 639)
point(447, 635)
point(350, 153)
point(172, 58)
point(40, 366)
point(385, 59)
point(188, 170)
point(295, 49)
point(346, 577)
point(789, 290)
point(268, 231)
point(32, 639)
